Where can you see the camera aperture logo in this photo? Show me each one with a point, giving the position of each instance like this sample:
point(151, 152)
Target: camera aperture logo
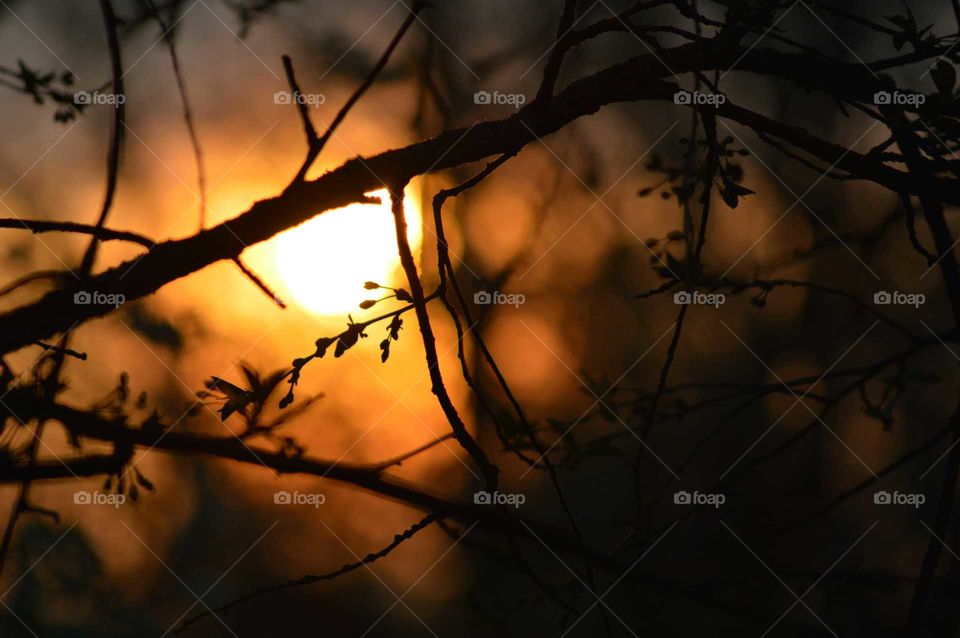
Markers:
point(299, 498)
point(698, 98)
point(84, 497)
point(484, 298)
point(699, 498)
point(516, 100)
point(304, 99)
point(91, 98)
point(499, 498)
point(697, 298)
point(96, 298)
point(896, 298)
point(897, 98)
point(898, 498)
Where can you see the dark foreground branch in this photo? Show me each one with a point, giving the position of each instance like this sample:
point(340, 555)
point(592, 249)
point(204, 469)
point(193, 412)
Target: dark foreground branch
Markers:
point(152, 436)
point(311, 579)
point(636, 79)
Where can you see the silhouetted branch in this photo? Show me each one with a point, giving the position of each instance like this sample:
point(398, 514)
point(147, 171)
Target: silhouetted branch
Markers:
point(116, 139)
point(303, 581)
point(944, 242)
point(98, 232)
point(448, 275)
point(460, 433)
point(635, 79)
point(168, 37)
point(406, 456)
point(315, 143)
point(259, 283)
point(67, 351)
point(152, 434)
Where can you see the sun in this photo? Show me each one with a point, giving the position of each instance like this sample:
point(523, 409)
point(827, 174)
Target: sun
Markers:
point(323, 263)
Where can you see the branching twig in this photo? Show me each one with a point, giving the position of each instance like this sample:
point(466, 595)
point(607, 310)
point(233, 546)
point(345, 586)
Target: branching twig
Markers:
point(466, 441)
point(98, 232)
point(311, 579)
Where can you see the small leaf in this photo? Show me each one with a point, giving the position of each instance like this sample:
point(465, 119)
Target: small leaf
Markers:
point(735, 172)
point(322, 344)
point(732, 192)
point(144, 482)
point(742, 191)
point(347, 340)
point(945, 77)
point(123, 387)
point(730, 198)
point(395, 327)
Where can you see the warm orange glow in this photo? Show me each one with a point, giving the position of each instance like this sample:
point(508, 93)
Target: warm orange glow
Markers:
point(324, 262)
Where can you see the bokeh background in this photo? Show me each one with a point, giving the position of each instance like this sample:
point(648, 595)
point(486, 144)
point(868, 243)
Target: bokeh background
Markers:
point(561, 224)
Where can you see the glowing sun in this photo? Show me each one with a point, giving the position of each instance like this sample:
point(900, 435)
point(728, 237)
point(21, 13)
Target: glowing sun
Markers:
point(324, 262)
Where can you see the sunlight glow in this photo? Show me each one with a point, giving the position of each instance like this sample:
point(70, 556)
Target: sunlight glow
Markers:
point(324, 262)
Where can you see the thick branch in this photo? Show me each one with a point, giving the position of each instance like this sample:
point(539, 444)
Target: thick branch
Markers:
point(633, 80)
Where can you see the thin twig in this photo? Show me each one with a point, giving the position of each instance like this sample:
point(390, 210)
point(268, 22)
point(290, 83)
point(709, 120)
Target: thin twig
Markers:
point(316, 144)
point(398, 460)
point(466, 441)
point(168, 38)
point(259, 283)
point(116, 138)
point(98, 232)
point(311, 579)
